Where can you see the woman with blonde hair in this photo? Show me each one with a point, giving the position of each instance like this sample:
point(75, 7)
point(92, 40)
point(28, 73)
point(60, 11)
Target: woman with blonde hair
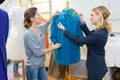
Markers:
point(95, 41)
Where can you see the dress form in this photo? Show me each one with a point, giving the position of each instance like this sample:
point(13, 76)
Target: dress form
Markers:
point(15, 45)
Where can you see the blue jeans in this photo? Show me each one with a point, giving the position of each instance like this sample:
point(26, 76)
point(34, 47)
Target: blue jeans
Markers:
point(36, 73)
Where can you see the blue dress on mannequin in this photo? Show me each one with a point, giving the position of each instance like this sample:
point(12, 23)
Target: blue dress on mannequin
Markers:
point(69, 53)
point(4, 27)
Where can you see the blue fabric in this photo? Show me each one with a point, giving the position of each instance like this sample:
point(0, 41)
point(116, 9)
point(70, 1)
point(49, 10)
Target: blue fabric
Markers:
point(69, 53)
point(36, 73)
point(4, 27)
point(95, 41)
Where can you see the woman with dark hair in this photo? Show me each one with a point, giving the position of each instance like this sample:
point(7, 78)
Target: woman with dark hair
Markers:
point(95, 41)
point(34, 45)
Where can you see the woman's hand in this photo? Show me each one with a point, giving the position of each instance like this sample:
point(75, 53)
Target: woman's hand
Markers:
point(81, 18)
point(56, 13)
point(60, 26)
point(57, 45)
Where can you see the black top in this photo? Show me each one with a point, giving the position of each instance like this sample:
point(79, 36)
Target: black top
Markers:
point(95, 41)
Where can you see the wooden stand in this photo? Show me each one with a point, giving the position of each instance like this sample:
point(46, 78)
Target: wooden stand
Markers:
point(67, 4)
point(23, 69)
point(69, 75)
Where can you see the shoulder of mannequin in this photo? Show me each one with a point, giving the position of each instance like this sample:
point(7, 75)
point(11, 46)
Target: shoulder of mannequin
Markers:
point(18, 7)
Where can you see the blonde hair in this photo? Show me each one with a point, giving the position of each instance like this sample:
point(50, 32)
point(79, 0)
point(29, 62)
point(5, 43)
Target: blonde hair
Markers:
point(104, 14)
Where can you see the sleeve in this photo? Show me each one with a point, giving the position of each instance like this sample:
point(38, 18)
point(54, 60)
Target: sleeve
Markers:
point(92, 39)
point(79, 30)
point(33, 45)
point(43, 28)
point(54, 32)
point(6, 26)
point(85, 29)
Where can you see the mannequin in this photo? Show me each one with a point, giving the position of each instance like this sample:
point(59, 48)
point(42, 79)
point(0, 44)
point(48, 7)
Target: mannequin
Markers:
point(64, 56)
point(17, 52)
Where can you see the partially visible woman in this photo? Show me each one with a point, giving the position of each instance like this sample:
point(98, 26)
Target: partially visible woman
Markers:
point(95, 41)
point(4, 28)
point(34, 45)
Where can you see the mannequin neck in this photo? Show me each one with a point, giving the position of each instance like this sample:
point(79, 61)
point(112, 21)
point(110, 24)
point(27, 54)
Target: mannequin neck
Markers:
point(23, 3)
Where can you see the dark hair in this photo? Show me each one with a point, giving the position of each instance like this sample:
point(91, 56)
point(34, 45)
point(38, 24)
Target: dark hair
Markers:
point(30, 12)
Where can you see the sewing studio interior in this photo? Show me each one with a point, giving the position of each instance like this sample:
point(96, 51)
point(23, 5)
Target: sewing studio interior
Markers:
point(59, 39)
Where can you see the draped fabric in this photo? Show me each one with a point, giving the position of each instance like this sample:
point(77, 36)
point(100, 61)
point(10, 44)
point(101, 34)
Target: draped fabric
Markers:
point(112, 49)
point(4, 26)
point(15, 39)
point(69, 53)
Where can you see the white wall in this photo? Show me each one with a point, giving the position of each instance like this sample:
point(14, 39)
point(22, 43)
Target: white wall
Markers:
point(114, 7)
point(58, 5)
